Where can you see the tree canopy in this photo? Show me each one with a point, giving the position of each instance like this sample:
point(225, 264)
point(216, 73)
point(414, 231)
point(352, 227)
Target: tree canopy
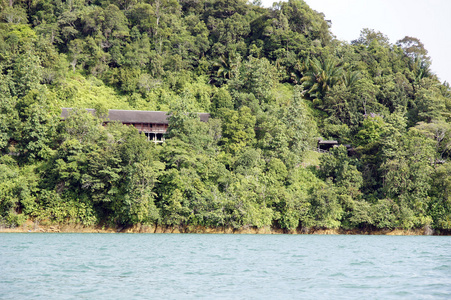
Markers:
point(274, 80)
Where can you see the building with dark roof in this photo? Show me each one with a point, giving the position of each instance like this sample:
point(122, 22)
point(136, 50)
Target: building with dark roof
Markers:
point(154, 124)
point(325, 145)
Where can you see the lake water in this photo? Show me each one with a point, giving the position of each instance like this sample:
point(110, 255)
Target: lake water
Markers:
point(185, 266)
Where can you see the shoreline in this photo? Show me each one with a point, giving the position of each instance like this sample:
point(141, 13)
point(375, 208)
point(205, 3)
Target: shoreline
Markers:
point(30, 227)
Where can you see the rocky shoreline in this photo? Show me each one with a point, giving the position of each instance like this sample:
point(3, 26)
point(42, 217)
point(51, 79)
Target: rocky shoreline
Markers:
point(33, 227)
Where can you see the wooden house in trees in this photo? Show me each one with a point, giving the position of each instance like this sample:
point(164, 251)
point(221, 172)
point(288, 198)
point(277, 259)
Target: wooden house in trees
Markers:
point(325, 145)
point(154, 124)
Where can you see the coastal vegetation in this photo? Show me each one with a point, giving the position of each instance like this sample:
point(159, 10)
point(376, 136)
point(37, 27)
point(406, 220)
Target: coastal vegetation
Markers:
point(274, 81)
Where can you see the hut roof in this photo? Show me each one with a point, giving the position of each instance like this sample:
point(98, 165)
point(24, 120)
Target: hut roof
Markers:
point(136, 116)
point(323, 142)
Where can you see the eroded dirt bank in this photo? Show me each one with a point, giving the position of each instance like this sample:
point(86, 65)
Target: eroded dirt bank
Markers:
point(31, 226)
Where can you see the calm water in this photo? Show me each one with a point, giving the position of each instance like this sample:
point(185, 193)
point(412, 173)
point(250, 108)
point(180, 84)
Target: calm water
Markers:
point(184, 266)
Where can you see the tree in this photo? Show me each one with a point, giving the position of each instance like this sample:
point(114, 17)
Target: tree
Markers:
point(320, 77)
point(143, 17)
point(373, 128)
point(441, 197)
point(227, 66)
point(413, 48)
point(342, 107)
point(440, 133)
point(139, 176)
point(14, 15)
point(341, 170)
point(75, 52)
point(36, 133)
point(258, 77)
point(9, 121)
point(26, 73)
point(325, 210)
point(366, 92)
point(368, 36)
point(304, 20)
point(237, 129)
point(350, 78)
point(430, 104)
point(407, 173)
point(17, 187)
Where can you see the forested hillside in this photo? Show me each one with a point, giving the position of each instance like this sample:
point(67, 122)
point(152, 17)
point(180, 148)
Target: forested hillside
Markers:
point(274, 81)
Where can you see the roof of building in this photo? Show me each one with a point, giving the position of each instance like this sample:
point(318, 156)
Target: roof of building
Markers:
point(136, 116)
point(323, 142)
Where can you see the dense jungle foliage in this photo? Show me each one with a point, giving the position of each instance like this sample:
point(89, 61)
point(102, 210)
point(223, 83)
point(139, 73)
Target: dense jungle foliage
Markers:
point(274, 81)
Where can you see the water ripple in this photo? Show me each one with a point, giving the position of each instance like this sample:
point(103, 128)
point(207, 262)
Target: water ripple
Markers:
point(143, 266)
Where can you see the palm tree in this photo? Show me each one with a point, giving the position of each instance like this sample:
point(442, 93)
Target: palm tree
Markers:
point(350, 78)
point(421, 69)
point(226, 66)
point(320, 77)
point(298, 70)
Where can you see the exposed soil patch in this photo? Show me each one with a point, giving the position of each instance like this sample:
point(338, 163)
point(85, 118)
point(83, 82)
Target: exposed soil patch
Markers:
point(31, 226)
